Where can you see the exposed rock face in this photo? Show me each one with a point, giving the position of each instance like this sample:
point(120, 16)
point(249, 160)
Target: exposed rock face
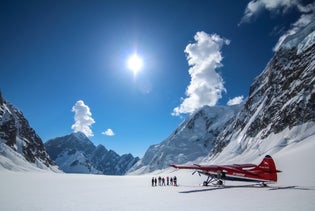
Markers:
point(283, 96)
point(16, 133)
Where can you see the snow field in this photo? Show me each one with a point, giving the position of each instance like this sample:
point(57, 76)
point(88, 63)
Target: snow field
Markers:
point(52, 191)
point(48, 191)
point(40, 190)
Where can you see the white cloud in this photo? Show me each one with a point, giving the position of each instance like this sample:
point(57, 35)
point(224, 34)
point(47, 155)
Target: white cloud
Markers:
point(256, 6)
point(206, 85)
point(108, 132)
point(236, 100)
point(307, 13)
point(83, 118)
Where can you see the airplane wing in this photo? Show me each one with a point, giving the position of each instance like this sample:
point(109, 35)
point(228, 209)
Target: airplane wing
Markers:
point(196, 167)
point(214, 167)
point(244, 165)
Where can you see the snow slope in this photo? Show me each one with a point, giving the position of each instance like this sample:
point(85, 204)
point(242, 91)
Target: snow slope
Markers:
point(192, 140)
point(50, 191)
point(238, 150)
point(13, 160)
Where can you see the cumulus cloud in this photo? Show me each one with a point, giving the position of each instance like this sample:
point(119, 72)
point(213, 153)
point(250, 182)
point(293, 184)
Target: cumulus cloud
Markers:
point(307, 13)
point(235, 100)
point(108, 132)
point(83, 118)
point(206, 85)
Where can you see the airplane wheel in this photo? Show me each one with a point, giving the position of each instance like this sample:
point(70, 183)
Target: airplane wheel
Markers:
point(205, 183)
point(220, 182)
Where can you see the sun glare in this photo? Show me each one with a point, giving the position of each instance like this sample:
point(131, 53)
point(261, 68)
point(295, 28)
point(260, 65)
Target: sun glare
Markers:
point(134, 63)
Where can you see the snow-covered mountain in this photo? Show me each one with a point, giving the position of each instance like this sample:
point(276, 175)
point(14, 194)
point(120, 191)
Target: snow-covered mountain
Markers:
point(75, 153)
point(20, 147)
point(193, 139)
point(279, 111)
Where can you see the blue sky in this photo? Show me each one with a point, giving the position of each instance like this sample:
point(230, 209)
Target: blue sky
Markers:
point(64, 63)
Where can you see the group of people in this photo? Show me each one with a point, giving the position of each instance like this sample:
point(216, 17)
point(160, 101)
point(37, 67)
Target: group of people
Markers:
point(162, 181)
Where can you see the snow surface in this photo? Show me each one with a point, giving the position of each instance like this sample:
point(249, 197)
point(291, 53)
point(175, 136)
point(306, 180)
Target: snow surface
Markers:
point(295, 189)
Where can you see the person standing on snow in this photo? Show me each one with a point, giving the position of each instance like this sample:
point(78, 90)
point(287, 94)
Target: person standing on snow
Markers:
point(152, 181)
point(175, 181)
point(163, 181)
point(160, 179)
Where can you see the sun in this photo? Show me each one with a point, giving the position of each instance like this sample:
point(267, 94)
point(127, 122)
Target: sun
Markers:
point(135, 63)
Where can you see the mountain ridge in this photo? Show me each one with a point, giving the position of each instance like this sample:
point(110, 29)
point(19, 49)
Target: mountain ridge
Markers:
point(282, 96)
point(191, 140)
point(75, 153)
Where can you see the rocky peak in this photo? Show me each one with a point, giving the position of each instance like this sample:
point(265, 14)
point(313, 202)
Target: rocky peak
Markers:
point(75, 153)
point(282, 96)
point(16, 133)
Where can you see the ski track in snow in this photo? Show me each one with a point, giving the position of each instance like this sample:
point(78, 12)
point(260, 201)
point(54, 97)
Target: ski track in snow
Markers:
point(56, 191)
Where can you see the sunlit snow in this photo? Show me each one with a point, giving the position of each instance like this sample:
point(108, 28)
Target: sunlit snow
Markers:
point(33, 190)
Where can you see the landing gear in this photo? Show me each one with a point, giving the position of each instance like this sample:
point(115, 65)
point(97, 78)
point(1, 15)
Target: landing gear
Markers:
point(210, 179)
point(220, 183)
point(215, 180)
point(263, 184)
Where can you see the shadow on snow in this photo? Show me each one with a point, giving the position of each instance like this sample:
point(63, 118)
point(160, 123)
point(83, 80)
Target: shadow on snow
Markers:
point(214, 188)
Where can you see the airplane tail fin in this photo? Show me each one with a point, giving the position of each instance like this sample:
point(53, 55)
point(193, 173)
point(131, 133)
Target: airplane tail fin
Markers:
point(268, 169)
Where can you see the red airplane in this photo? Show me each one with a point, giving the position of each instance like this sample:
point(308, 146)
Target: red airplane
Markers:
point(265, 172)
